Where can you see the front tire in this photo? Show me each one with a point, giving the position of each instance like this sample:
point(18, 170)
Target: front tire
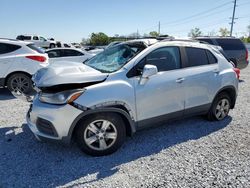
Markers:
point(101, 134)
point(20, 83)
point(220, 107)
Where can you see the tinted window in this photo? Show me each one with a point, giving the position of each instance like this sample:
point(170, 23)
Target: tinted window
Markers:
point(35, 38)
point(196, 57)
point(72, 53)
point(231, 44)
point(54, 53)
point(206, 40)
point(22, 37)
point(165, 59)
point(35, 48)
point(211, 58)
point(7, 48)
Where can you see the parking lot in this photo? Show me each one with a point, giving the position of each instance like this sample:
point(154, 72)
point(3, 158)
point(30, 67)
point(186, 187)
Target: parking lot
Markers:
point(185, 153)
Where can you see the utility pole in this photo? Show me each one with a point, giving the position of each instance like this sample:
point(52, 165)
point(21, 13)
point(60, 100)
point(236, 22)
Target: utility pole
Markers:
point(137, 34)
point(233, 18)
point(159, 28)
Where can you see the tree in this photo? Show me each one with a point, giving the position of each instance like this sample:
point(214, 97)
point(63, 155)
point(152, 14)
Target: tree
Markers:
point(196, 32)
point(224, 32)
point(154, 34)
point(99, 39)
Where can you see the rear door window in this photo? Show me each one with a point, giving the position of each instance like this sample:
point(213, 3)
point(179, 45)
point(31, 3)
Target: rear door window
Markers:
point(231, 44)
point(8, 48)
point(54, 53)
point(35, 38)
point(196, 56)
point(72, 53)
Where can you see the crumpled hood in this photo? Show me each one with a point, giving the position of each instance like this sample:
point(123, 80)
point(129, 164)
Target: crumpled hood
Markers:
point(66, 72)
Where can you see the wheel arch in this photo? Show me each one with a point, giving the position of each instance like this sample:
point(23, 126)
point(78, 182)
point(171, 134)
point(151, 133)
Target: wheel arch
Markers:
point(231, 91)
point(15, 72)
point(129, 123)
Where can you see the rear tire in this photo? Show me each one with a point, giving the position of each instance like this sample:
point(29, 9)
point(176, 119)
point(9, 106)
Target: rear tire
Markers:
point(52, 46)
point(101, 134)
point(220, 107)
point(20, 82)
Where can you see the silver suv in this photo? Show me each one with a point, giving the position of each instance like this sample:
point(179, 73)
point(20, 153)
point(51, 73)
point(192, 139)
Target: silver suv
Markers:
point(127, 87)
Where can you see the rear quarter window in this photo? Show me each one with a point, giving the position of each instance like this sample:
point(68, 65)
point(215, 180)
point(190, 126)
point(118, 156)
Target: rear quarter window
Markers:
point(8, 48)
point(35, 48)
point(231, 44)
point(211, 58)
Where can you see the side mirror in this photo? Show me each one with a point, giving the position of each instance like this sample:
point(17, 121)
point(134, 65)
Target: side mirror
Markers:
point(148, 71)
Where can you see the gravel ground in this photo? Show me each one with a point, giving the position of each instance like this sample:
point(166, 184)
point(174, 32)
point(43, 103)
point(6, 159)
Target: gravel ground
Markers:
point(184, 153)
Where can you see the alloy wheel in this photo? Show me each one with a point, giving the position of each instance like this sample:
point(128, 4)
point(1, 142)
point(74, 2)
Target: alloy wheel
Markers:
point(222, 109)
point(100, 135)
point(20, 84)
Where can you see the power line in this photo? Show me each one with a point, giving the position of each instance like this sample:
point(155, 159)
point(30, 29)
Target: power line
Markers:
point(198, 14)
point(180, 21)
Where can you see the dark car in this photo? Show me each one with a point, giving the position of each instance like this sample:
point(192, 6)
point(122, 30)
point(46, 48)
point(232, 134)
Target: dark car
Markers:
point(234, 48)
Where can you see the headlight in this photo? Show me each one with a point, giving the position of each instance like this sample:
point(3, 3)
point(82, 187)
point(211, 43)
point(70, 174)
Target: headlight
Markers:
point(61, 97)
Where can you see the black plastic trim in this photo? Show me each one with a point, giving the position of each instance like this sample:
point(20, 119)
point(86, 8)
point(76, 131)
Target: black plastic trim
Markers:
point(46, 127)
point(2, 82)
point(101, 110)
point(198, 110)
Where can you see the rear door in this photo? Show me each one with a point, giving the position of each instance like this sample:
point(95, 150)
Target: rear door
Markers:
point(7, 57)
point(201, 72)
point(73, 55)
point(55, 55)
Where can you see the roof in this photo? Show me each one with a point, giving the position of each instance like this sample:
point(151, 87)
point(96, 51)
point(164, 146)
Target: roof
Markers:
point(14, 41)
point(63, 48)
point(215, 37)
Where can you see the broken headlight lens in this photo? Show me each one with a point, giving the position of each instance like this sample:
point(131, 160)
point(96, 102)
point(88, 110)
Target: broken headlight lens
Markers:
point(63, 97)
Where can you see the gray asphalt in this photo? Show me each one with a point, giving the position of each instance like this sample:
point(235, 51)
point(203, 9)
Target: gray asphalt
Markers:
point(185, 153)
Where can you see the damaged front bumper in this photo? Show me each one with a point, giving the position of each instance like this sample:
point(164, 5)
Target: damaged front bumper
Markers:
point(51, 122)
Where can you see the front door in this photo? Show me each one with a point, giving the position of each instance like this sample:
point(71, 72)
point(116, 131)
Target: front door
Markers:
point(161, 97)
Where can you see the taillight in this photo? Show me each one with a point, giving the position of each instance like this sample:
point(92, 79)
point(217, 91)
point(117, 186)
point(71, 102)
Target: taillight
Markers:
point(237, 71)
point(41, 59)
point(247, 55)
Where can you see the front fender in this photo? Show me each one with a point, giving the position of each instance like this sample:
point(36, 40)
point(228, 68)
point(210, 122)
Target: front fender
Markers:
point(130, 125)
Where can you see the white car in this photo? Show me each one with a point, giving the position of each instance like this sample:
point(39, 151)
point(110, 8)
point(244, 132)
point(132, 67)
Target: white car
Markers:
point(38, 41)
point(19, 60)
point(68, 54)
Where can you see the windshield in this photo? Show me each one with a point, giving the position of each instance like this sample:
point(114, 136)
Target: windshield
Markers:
point(113, 58)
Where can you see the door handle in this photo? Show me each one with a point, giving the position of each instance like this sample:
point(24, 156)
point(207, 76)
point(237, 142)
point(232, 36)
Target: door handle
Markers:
point(180, 80)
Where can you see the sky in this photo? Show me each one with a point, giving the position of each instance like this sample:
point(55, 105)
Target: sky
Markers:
point(72, 20)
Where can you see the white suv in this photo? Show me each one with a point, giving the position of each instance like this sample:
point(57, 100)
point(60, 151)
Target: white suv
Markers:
point(38, 40)
point(127, 87)
point(18, 62)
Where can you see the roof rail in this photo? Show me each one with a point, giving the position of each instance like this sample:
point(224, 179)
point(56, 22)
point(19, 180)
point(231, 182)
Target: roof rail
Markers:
point(185, 40)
